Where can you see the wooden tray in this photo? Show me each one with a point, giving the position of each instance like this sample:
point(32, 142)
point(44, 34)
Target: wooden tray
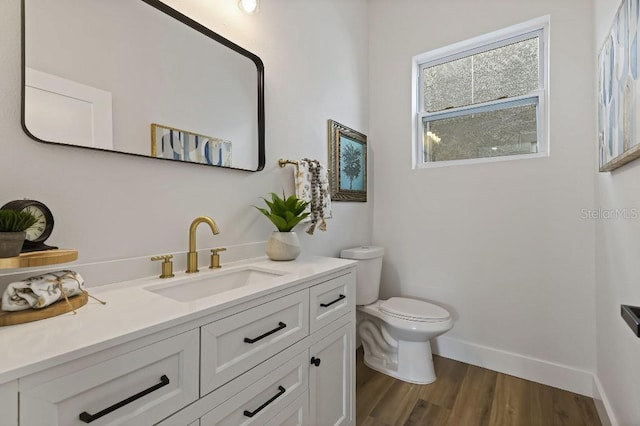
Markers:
point(39, 258)
point(28, 315)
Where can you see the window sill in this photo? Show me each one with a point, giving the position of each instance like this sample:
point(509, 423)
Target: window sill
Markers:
point(439, 164)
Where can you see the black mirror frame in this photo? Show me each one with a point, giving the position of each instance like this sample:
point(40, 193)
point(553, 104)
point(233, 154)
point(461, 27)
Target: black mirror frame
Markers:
point(157, 4)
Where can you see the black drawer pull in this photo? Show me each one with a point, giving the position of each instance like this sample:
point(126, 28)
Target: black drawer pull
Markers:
point(326, 305)
point(281, 391)
point(280, 326)
point(88, 418)
point(315, 361)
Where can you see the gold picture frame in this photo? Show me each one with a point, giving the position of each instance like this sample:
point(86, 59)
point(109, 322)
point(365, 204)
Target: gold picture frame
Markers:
point(348, 163)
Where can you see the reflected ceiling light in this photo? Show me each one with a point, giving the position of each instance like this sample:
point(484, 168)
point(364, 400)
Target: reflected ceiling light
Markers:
point(248, 6)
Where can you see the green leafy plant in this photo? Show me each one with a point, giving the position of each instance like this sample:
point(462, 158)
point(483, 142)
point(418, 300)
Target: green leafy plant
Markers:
point(285, 213)
point(15, 221)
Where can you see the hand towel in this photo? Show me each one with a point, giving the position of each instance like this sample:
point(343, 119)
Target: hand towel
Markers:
point(312, 185)
point(42, 290)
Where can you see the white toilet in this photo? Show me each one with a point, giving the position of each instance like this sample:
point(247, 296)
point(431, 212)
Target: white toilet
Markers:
point(395, 333)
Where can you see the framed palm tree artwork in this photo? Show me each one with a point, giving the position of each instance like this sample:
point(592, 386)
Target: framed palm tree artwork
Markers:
point(348, 163)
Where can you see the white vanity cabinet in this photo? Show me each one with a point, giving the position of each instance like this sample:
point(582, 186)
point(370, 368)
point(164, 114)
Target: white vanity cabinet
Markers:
point(312, 382)
point(284, 357)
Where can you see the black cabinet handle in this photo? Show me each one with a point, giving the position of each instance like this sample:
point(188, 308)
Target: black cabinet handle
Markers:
point(315, 361)
point(281, 391)
point(88, 418)
point(326, 305)
point(280, 326)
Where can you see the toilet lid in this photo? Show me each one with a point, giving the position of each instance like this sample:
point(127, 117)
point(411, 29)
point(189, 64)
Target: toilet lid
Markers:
point(413, 309)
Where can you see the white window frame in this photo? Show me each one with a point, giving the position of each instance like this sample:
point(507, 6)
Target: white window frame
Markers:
point(536, 27)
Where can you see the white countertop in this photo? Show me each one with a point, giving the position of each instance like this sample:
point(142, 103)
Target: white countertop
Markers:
point(132, 312)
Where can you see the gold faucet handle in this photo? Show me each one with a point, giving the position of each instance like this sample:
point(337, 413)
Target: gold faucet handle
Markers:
point(215, 257)
point(167, 265)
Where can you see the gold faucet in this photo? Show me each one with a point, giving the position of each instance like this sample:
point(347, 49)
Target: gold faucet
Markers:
point(192, 256)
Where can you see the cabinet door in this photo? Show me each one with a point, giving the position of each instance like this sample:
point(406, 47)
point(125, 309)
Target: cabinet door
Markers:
point(331, 379)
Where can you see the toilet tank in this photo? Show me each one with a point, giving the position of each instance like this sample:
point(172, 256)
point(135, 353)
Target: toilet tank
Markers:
point(368, 272)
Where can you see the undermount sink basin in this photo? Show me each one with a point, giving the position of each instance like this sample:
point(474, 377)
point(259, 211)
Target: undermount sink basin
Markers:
point(213, 283)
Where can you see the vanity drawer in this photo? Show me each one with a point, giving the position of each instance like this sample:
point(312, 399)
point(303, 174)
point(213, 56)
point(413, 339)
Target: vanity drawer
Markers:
point(137, 388)
point(295, 414)
point(265, 398)
point(330, 300)
point(237, 343)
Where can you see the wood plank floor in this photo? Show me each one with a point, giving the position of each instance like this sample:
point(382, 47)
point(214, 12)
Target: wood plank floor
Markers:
point(466, 395)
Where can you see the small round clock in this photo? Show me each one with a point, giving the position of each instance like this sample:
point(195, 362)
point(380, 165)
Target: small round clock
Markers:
point(38, 233)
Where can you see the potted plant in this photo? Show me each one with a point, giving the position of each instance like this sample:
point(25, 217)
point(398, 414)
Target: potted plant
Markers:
point(285, 213)
point(13, 225)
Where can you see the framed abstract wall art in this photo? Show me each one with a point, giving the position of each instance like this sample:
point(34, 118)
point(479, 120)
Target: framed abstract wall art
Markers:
point(348, 163)
point(177, 144)
point(618, 86)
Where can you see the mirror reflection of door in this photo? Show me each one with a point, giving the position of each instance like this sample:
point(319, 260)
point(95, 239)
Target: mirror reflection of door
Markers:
point(63, 110)
point(99, 73)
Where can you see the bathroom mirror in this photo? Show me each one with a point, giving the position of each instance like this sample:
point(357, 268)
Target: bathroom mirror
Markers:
point(138, 77)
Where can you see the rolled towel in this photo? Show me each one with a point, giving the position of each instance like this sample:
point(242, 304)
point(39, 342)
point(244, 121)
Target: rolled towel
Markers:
point(42, 290)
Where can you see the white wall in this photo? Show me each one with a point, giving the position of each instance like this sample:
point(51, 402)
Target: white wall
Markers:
point(618, 270)
point(501, 245)
point(113, 206)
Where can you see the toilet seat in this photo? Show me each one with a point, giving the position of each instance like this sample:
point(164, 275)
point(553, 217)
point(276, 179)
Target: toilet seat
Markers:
point(413, 310)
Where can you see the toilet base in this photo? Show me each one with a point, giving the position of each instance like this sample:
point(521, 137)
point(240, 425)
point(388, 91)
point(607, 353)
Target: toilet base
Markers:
point(414, 363)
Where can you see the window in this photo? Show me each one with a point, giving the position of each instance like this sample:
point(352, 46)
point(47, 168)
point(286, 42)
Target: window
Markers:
point(483, 99)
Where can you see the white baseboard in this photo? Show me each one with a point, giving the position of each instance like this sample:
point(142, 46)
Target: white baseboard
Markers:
point(605, 411)
point(536, 370)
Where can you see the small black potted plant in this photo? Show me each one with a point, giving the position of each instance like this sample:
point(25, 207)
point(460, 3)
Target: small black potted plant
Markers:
point(13, 225)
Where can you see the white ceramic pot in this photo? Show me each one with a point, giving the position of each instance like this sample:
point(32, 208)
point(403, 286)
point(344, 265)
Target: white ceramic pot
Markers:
point(283, 246)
